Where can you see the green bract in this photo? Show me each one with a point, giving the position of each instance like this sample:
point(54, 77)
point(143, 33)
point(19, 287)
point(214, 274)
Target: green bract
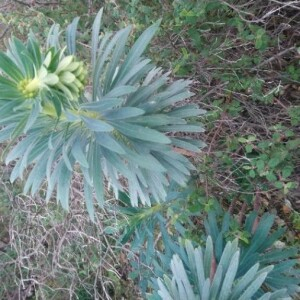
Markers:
point(27, 73)
point(119, 129)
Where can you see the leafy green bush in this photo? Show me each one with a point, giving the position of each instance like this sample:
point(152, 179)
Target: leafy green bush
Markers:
point(259, 248)
point(203, 278)
point(115, 129)
point(154, 232)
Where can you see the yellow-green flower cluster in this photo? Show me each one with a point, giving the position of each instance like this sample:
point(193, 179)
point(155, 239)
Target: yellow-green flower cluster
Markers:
point(43, 79)
point(72, 76)
point(29, 87)
point(69, 77)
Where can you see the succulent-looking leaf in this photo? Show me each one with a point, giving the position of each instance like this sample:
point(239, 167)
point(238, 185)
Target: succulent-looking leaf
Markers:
point(260, 250)
point(185, 282)
point(118, 134)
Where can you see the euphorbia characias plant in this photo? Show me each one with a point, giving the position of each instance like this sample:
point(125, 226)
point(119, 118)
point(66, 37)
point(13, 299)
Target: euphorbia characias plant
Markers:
point(118, 126)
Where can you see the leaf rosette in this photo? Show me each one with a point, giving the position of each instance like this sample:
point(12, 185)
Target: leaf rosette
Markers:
point(121, 129)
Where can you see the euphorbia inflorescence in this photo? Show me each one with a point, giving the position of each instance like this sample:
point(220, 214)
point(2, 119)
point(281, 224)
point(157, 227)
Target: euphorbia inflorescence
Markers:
point(40, 76)
point(71, 76)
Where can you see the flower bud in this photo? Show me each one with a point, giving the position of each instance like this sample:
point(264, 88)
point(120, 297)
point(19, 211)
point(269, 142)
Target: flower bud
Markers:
point(64, 63)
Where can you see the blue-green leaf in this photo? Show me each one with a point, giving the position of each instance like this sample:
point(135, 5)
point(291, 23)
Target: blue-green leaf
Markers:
point(97, 125)
point(123, 113)
point(89, 200)
point(95, 35)
point(10, 68)
point(107, 141)
point(103, 105)
point(71, 36)
point(78, 153)
point(141, 133)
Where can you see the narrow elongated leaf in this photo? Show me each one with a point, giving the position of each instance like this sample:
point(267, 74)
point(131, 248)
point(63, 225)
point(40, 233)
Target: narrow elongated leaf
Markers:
point(208, 257)
point(63, 186)
point(141, 133)
point(34, 49)
point(182, 128)
point(8, 92)
point(217, 282)
point(66, 157)
point(107, 141)
point(186, 111)
point(200, 266)
point(136, 70)
point(172, 159)
point(115, 60)
point(156, 120)
point(272, 238)
point(53, 37)
point(103, 104)
point(95, 35)
point(100, 63)
point(116, 162)
point(36, 177)
point(184, 286)
point(229, 277)
point(244, 281)
point(145, 161)
point(253, 287)
point(22, 163)
point(205, 290)
point(10, 68)
point(21, 56)
point(146, 91)
point(97, 125)
point(174, 174)
point(53, 178)
point(19, 129)
point(137, 50)
point(278, 254)
point(5, 82)
point(280, 294)
point(184, 144)
point(121, 90)
point(78, 153)
point(89, 200)
point(39, 175)
point(96, 173)
point(35, 111)
point(163, 292)
point(6, 132)
point(123, 113)
point(173, 99)
point(20, 148)
point(71, 36)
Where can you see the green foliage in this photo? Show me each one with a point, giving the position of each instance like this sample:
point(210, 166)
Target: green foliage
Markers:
point(258, 247)
point(118, 129)
point(150, 228)
point(153, 234)
point(245, 63)
point(259, 164)
point(271, 160)
point(294, 113)
point(296, 220)
point(203, 279)
point(245, 67)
